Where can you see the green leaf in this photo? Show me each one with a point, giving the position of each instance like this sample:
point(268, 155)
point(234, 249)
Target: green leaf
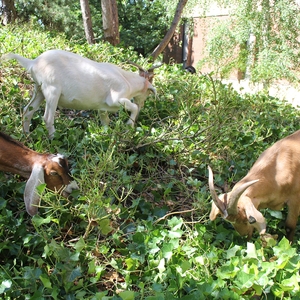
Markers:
point(290, 284)
point(175, 234)
point(251, 251)
point(244, 280)
point(46, 281)
point(161, 266)
point(228, 272)
point(5, 285)
point(80, 245)
point(232, 251)
point(167, 249)
point(74, 274)
point(138, 238)
point(131, 264)
point(127, 295)
point(105, 227)
point(175, 223)
point(38, 221)
point(276, 214)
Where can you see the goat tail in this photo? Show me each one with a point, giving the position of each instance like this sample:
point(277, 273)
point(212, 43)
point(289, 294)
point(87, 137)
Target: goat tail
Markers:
point(23, 61)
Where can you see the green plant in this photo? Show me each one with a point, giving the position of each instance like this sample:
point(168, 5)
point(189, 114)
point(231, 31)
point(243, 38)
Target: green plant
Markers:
point(138, 228)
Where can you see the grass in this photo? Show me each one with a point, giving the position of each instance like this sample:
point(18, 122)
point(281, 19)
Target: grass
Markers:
point(138, 228)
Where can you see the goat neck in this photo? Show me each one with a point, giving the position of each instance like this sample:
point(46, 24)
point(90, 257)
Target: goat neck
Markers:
point(18, 159)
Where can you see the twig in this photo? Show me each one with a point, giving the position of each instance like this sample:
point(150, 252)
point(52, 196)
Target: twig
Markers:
point(174, 213)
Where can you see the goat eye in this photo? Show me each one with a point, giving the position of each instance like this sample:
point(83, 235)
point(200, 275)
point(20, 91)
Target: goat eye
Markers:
point(53, 173)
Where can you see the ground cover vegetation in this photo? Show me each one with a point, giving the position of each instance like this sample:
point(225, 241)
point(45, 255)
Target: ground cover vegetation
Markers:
point(138, 228)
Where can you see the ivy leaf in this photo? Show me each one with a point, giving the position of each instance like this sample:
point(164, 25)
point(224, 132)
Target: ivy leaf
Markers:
point(5, 285)
point(244, 280)
point(105, 226)
point(290, 284)
point(46, 281)
point(175, 223)
point(232, 251)
point(131, 264)
point(161, 266)
point(251, 250)
point(127, 295)
point(74, 274)
point(80, 244)
point(38, 220)
point(167, 250)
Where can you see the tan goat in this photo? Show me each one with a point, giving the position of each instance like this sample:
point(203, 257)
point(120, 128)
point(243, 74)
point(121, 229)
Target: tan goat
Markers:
point(272, 182)
point(38, 168)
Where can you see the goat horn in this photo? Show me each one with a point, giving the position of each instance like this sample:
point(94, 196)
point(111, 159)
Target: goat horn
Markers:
point(154, 67)
point(220, 205)
point(136, 65)
point(235, 195)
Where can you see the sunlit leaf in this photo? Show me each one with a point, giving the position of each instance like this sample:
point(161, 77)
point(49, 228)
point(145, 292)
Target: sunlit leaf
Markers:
point(46, 281)
point(127, 295)
point(6, 284)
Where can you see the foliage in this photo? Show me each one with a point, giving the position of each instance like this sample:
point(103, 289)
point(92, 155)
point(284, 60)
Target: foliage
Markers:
point(136, 19)
point(138, 228)
point(222, 61)
point(276, 27)
point(143, 24)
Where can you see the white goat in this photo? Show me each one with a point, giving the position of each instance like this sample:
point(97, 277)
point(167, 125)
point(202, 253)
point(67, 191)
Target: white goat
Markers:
point(38, 168)
point(68, 80)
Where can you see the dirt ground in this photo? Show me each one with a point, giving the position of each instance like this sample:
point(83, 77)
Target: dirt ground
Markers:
point(282, 91)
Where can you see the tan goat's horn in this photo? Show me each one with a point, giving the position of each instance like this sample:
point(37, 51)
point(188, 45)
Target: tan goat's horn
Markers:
point(220, 205)
point(235, 195)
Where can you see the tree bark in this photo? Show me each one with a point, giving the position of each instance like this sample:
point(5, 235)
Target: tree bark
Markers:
point(110, 21)
point(8, 12)
point(87, 21)
point(163, 44)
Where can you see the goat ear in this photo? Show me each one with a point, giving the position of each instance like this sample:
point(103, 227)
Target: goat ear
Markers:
point(31, 197)
point(253, 215)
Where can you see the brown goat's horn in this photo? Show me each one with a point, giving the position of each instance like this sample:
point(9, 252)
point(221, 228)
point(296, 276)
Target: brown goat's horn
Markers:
point(220, 205)
point(235, 195)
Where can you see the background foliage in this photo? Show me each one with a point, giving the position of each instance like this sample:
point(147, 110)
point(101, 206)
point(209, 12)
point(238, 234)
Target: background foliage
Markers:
point(275, 26)
point(143, 24)
point(138, 228)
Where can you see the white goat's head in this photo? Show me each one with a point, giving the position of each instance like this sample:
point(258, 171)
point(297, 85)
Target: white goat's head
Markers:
point(149, 74)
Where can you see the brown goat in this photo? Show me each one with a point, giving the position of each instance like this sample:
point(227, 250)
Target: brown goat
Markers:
point(38, 168)
point(272, 182)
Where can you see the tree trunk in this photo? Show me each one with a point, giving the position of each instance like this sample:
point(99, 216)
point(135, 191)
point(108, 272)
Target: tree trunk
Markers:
point(163, 44)
point(110, 21)
point(87, 21)
point(8, 11)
